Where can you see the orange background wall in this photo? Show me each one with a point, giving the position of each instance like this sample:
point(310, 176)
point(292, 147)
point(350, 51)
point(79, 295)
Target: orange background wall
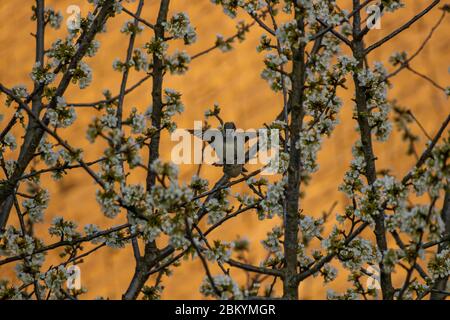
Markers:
point(232, 80)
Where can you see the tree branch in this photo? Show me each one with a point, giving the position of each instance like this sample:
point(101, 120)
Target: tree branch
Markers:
point(402, 28)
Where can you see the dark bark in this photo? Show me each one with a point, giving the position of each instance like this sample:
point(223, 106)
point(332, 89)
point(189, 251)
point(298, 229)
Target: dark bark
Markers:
point(119, 115)
point(151, 252)
point(34, 131)
point(441, 284)
point(32, 128)
point(369, 156)
point(291, 223)
point(7, 192)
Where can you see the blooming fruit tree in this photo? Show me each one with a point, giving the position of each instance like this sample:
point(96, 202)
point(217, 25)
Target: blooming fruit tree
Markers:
point(312, 51)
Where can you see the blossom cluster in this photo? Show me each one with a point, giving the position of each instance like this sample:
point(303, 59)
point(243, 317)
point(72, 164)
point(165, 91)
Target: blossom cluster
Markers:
point(228, 288)
point(179, 27)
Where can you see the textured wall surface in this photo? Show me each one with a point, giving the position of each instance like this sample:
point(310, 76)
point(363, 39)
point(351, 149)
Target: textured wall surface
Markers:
point(232, 80)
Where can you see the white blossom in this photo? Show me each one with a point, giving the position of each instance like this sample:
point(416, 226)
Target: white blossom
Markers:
point(439, 266)
point(180, 27)
point(35, 206)
point(178, 62)
point(225, 284)
point(62, 115)
point(64, 229)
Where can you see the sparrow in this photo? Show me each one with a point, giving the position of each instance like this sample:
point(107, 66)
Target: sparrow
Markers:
point(227, 149)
